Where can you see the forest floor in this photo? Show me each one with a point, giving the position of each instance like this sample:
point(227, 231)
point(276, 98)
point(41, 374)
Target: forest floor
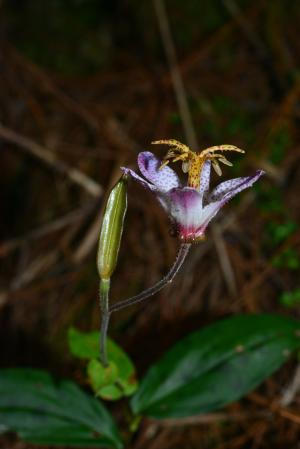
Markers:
point(64, 133)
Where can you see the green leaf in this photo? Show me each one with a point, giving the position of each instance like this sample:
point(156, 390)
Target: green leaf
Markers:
point(216, 365)
point(43, 412)
point(111, 392)
point(86, 346)
point(100, 374)
point(103, 380)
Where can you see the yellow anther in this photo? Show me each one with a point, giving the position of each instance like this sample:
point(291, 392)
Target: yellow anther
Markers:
point(226, 162)
point(185, 166)
point(192, 162)
point(217, 167)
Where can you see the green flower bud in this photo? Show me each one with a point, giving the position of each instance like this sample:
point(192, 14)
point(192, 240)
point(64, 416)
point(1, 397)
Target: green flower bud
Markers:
point(111, 229)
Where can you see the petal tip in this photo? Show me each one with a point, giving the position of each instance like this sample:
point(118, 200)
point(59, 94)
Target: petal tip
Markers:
point(257, 175)
point(260, 172)
point(144, 158)
point(144, 154)
point(125, 170)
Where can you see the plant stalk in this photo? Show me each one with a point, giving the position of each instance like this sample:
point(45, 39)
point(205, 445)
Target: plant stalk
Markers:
point(182, 253)
point(105, 316)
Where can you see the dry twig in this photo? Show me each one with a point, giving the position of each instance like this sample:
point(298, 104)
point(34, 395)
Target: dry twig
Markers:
point(51, 160)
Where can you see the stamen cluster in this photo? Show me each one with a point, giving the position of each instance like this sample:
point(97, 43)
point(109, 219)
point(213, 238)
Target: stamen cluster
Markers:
point(192, 162)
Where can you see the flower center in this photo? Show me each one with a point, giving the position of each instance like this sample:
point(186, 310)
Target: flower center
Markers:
point(192, 162)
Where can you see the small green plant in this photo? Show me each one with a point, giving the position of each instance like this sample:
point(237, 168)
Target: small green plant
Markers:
point(203, 372)
point(291, 298)
point(110, 382)
point(288, 259)
point(279, 232)
point(279, 142)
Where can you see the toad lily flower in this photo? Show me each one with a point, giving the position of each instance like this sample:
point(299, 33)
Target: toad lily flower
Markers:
point(190, 207)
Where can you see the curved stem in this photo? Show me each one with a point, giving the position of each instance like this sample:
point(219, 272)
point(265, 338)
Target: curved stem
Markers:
point(104, 305)
point(182, 253)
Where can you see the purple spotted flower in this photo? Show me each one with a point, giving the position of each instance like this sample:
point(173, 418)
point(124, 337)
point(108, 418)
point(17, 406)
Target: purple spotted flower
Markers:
point(191, 207)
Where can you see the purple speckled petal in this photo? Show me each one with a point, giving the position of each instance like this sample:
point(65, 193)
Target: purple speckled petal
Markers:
point(161, 196)
point(164, 179)
point(228, 189)
point(205, 177)
point(142, 181)
point(225, 191)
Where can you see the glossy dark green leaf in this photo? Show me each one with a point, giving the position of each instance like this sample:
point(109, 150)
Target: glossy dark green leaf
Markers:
point(43, 412)
point(216, 365)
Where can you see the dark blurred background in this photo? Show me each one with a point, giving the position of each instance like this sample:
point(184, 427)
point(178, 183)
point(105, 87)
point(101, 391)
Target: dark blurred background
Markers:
point(84, 86)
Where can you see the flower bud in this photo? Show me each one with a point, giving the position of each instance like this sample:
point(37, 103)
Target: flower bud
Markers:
point(111, 229)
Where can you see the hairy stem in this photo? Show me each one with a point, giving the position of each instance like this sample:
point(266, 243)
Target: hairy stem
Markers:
point(104, 305)
point(182, 253)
